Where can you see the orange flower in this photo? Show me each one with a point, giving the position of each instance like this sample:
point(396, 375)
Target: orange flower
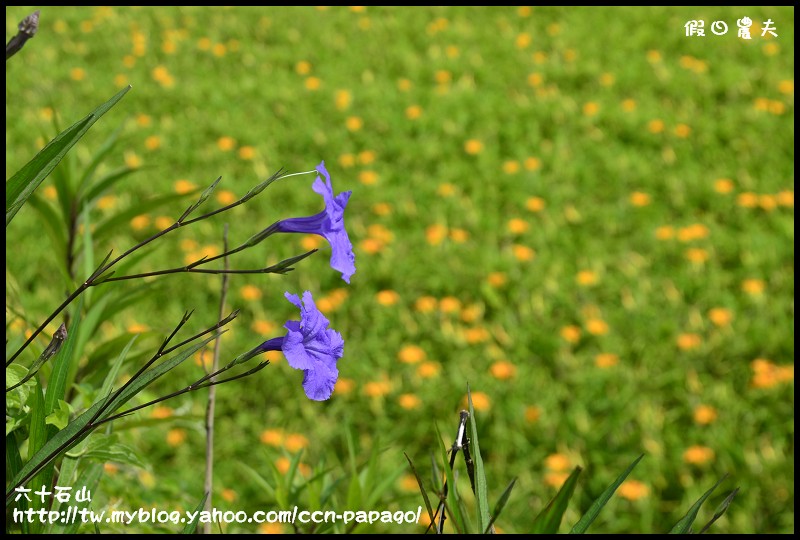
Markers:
point(377, 388)
point(184, 186)
point(557, 462)
point(476, 335)
point(720, 316)
point(425, 304)
point(161, 412)
point(606, 360)
point(250, 292)
point(427, 370)
point(497, 279)
point(665, 232)
point(535, 204)
point(633, 490)
point(344, 386)
point(387, 298)
point(354, 123)
point(597, 327)
point(591, 108)
point(473, 146)
point(313, 83)
point(628, 105)
point(176, 436)
point(639, 199)
point(295, 442)
point(511, 166)
point(408, 402)
point(586, 278)
point(655, 126)
point(523, 253)
point(687, 342)
point(556, 479)
point(705, 414)
point(413, 112)
point(747, 200)
point(435, 234)
point(753, 286)
point(228, 495)
point(342, 99)
point(698, 455)
point(503, 370)
point(449, 304)
point(533, 164)
point(480, 401)
point(411, 354)
point(517, 226)
point(532, 413)
point(571, 333)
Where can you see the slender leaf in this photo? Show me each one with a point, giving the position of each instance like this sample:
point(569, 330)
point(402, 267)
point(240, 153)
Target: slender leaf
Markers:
point(107, 181)
point(720, 510)
point(684, 525)
point(481, 495)
point(501, 503)
point(20, 187)
point(591, 514)
point(549, 519)
point(191, 527)
point(422, 490)
point(89, 478)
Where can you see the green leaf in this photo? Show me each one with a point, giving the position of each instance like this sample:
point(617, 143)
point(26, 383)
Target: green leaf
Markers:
point(720, 510)
point(422, 490)
point(501, 503)
point(60, 416)
point(20, 187)
point(89, 478)
point(107, 181)
point(591, 514)
point(97, 159)
point(684, 525)
point(111, 378)
point(481, 495)
point(549, 519)
point(54, 225)
point(191, 527)
point(71, 435)
point(102, 447)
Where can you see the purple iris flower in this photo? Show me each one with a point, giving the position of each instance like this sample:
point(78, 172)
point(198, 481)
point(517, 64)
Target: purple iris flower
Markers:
point(311, 346)
point(328, 223)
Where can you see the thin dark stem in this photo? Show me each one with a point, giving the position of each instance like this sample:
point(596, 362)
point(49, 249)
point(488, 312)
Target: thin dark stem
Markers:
point(91, 424)
point(212, 393)
point(100, 271)
point(201, 383)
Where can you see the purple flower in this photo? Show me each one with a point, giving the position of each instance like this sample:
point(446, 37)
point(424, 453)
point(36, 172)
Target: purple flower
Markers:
point(309, 345)
point(328, 223)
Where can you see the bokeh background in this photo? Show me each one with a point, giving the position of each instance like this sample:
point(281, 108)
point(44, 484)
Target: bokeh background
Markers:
point(582, 213)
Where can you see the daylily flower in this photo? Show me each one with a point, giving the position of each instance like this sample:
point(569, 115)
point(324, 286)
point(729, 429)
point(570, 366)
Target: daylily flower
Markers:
point(309, 345)
point(329, 223)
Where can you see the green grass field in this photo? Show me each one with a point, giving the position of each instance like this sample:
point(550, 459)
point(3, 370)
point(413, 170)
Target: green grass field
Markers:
point(582, 213)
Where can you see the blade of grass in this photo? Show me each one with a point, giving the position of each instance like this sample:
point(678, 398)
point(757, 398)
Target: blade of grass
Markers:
point(20, 187)
point(591, 514)
point(549, 519)
point(685, 523)
point(481, 491)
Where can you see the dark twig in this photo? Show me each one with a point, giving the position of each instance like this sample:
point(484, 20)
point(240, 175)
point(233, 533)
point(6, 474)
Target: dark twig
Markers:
point(27, 29)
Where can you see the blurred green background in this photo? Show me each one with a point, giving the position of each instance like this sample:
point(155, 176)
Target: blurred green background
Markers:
point(582, 213)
